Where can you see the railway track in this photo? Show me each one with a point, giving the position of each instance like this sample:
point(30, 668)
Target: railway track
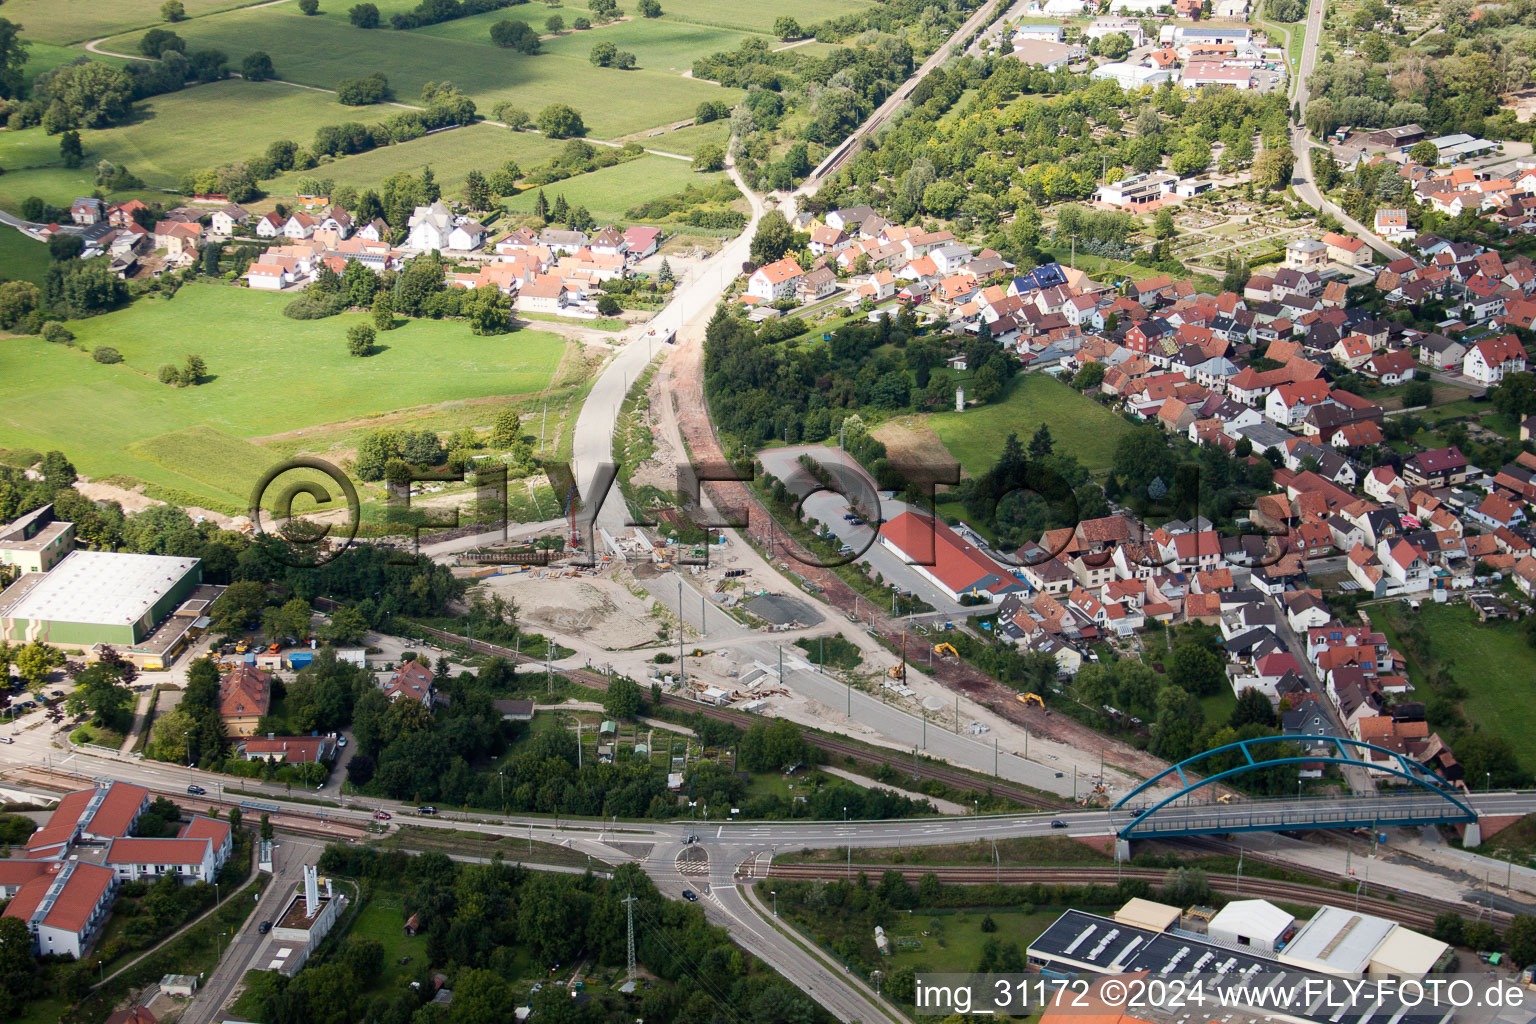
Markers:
point(832, 746)
point(1414, 911)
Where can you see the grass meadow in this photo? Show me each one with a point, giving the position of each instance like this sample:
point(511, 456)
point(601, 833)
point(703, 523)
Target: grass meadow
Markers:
point(269, 375)
point(1080, 426)
point(609, 192)
point(758, 17)
point(21, 258)
point(320, 51)
point(78, 21)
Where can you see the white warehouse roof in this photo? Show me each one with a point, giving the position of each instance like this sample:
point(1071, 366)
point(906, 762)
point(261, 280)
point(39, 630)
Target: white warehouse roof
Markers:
point(1253, 918)
point(105, 588)
point(1337, 941)
point(1407, 954)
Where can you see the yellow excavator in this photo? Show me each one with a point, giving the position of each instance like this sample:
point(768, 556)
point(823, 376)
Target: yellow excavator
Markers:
point(942, 649)
point(1031, 698)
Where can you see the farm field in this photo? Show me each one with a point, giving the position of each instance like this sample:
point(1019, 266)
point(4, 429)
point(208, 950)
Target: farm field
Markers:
point(119, 419)
point(687, 140)
point(21, 258)
point(173, 134)
point(452, 155)
point(758, 17)
point(77, 21)
point(320, 51)
point(609, 192)
point(1080, 426)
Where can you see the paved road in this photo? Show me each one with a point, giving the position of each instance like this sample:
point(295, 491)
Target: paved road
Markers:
point(1301, 145)
point(290, 856)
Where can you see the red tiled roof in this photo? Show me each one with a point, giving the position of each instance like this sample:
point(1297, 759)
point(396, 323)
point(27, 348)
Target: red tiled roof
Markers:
point(118, 810)
point(245, 691)
point(957, 564)
point(157, 851)
point(203, 827)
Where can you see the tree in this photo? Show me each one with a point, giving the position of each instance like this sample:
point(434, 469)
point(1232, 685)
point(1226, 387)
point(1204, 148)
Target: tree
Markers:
point(559, 121)
point(1274, 167)
point(13, 60)
point(709, 157)
point(101, 690)
point(383, 313)
point(35, 662)
point(70, 150)
point(554, 24)
point(607, 305)
point(664, 275)
point(172, 10)
point(1425, 152)
point(360, 339)
point(1089, 377)
point(1041, 445)
point(477, 192)
point(541, 207)
point(623, 699)
point(257, 67)
point(194, 370)
point(602, 54)
point(309, 6)
point(266, 827)
point(347, 626)
point(515, 35)
point(774, 238)
point(787, 28)
point(1197, 669)
point(649, 8)
point(1521, 937)
point(1253, 708)
point(364, 15)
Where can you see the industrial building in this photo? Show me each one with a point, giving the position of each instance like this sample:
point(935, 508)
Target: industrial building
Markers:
point(146, 606)
point(1257, 924)
point(1083, 943)
point(36, 542)
point(1133, 76)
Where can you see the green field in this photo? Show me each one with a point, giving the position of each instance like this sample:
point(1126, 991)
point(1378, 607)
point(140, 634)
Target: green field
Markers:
point(609, 192)
point(119, 420)
point(758, 17)
point(452, 155)
point(1080, 426)
point(169, 136)
point(76, 21)
point(321, 51)
point(687, 140)
point(21, 258)
point(1492, 663)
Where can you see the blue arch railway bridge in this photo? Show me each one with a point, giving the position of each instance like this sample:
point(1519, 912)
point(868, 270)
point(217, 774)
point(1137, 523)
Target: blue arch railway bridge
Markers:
point(1420, 795)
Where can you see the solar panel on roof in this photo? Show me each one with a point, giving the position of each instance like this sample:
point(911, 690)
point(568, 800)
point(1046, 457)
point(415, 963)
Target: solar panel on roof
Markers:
point(1109, 937)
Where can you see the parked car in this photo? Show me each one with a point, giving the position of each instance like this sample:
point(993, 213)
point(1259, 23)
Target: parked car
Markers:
point(382, 815)
point(264, 927)
point(690, 896)
point(6, 739)
point(341, 741)
point(197, 790)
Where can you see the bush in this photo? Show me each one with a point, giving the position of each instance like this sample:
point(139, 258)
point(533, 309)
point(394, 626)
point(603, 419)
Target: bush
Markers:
point(360, 338)
point(608, 305)
point(581, 24)
point(309, 6)
point(106, 354)
point(57, 333)
point(360, 92)
point(168, 374)
point(364, 16)
point(313, 305)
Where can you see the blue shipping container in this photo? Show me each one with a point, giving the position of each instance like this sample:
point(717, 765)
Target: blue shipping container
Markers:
point(299, 659)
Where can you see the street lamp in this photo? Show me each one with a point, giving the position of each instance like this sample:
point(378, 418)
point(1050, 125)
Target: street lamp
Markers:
point(1487, 781)
point(775, 894)
point(501, 778)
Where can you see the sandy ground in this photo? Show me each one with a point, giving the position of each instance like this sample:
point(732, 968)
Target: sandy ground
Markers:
point(137, 501)
point(597, 609)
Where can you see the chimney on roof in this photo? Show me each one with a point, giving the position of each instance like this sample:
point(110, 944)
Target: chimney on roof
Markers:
point(311, 891)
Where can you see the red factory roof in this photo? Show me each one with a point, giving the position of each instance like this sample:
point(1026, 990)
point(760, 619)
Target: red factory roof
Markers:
point(959, 565)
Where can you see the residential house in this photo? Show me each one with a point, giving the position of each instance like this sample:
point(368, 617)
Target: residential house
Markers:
point(774, 281)
point(412, 681)
point(1490, 359)
point(429, 227)
point(223, 221)
point(245, 695)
